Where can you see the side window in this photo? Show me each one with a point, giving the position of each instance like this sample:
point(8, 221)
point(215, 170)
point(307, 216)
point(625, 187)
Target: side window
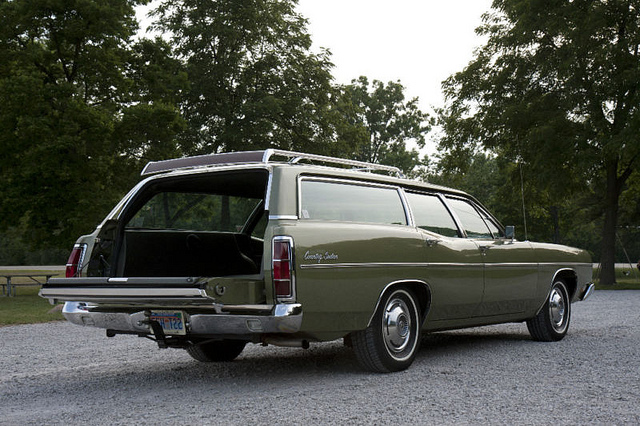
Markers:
point(491, 224)
point(429, 213)
point(323, 200)
point(471, 220)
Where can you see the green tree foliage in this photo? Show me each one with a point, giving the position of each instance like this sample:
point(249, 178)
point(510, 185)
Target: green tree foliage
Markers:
point(516, 198)
point(254, 82)
point(555, 88)
point(77, 100)
point(382, 122)
point(85, 104)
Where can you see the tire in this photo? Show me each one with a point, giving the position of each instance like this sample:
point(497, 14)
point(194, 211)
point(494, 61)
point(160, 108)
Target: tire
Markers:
point(391, 341)
point(552, 322)
point(216, 351)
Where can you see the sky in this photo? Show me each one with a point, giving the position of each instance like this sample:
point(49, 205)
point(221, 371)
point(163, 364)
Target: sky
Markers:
point(419, 42)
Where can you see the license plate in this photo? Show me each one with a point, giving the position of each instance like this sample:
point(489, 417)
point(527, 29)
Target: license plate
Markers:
point(172, 322)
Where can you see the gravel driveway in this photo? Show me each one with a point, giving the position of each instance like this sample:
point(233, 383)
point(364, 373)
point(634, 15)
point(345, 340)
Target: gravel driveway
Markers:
point(58, 373)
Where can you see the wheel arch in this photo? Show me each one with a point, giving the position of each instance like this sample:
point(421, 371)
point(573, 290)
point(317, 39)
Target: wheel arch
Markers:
point(570, 277)
point(419, 288)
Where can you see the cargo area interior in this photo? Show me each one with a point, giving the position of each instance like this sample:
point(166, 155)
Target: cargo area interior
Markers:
point(151, 253)
point(210, 224)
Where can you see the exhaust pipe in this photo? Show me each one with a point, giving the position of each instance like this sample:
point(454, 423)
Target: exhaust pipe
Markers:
point(287, 343)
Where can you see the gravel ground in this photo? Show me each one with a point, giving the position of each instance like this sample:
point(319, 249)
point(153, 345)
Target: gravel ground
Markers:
point(59, 373)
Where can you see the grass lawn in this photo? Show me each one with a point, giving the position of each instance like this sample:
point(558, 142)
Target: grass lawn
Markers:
point(626, 279)
point(26, 307)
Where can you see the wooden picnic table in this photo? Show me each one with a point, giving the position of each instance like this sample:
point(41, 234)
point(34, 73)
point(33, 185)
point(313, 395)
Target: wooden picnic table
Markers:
point(9, 288)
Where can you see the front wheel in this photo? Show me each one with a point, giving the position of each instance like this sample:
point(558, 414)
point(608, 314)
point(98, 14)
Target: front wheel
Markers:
point(391, 341)
point(552, 322)
point(216, 351)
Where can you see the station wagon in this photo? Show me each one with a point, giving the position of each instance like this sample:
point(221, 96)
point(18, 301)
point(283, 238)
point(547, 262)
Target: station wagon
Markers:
point(213, 252)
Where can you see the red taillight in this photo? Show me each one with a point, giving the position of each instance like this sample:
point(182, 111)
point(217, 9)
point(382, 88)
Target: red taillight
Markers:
point(282, 267)
point(74, 263)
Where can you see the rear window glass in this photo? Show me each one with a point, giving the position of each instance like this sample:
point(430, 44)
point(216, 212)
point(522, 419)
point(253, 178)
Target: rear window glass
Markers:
point(194, 212)
point(323, 200)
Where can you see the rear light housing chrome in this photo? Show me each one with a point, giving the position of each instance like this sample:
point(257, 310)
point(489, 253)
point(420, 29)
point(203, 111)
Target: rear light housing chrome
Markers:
point(283, 269)
point(75, 261)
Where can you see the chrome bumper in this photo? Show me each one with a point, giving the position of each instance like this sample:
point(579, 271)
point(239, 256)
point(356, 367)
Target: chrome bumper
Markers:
point(282, 318)
point(587, 290)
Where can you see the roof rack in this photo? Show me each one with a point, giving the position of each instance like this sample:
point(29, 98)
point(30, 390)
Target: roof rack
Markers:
point(265, 156)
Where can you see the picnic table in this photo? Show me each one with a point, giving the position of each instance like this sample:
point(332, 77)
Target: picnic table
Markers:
point(9, 288)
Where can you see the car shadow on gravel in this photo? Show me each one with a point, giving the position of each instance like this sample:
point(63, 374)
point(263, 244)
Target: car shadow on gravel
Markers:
point(336, 359)
point(471, 340)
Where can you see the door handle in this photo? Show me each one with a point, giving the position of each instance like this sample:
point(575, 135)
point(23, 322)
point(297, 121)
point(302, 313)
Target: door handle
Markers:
point(431, 242)
point(484, 249)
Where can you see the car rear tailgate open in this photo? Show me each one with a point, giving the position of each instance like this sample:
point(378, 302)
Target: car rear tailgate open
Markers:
point(156, 291)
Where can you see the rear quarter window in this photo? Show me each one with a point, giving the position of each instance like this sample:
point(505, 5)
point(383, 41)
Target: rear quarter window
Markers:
point(346, 202)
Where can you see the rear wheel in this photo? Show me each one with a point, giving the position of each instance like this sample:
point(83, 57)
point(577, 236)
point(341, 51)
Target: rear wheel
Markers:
point(391, 341)
point(552, 322)
point(216, 351)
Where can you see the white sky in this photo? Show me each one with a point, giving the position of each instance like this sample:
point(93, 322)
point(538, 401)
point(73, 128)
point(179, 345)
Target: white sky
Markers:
point(419, 42)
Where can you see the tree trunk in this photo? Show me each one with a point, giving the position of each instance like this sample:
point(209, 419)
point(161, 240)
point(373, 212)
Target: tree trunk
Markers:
point(608, 254)
point(553, 210)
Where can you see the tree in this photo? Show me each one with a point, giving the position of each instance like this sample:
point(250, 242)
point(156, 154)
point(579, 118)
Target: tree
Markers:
point(77, 104)
point(254, 82)
point(555, 89)
point(384, 122)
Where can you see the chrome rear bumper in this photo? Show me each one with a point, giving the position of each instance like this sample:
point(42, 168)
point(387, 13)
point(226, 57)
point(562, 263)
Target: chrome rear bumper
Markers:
point(281, 318)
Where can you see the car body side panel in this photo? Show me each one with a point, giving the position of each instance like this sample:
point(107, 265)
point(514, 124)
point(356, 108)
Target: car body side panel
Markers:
point(554, 258)
point(342, 268)
point(510, 277)
point(454, 273)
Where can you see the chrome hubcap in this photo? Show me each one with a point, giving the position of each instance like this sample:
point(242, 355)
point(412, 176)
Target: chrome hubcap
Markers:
point(397, 325)
point(557, 309)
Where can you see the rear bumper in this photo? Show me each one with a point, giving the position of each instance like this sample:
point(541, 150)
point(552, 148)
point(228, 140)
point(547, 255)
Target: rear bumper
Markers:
point(268, 319)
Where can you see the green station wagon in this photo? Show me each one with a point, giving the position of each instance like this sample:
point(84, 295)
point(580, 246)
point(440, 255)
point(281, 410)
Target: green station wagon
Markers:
point(210, 253)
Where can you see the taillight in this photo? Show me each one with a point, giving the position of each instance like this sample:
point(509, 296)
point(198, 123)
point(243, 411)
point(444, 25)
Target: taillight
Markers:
point(74, 263)
point(282, 267)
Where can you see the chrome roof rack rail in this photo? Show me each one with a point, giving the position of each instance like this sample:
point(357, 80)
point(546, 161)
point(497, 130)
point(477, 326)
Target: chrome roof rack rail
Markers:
point(265, 157)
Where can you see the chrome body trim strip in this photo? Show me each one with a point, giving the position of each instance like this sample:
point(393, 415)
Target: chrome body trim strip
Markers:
point(267, 195)
point(283, 318)
point(407, 208)
point(384, 290)
point(130, 296)
point(584, 264)
point(283, 217)
point(386, 265)
point(433, 264)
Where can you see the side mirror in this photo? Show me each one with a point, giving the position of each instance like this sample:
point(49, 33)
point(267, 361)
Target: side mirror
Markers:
point(510, 232)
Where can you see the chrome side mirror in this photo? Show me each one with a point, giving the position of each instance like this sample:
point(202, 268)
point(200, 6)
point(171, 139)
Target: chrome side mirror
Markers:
point(510, 232)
